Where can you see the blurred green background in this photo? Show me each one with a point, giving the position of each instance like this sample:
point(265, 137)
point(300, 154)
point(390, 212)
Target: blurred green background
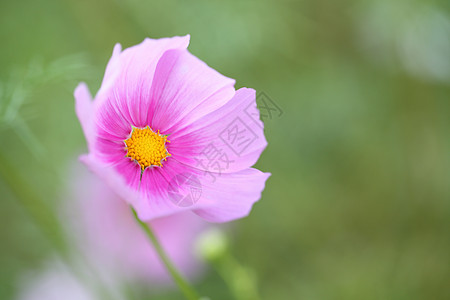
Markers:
point(358, 203)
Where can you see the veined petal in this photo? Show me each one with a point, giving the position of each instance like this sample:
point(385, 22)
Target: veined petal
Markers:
point(159, 190)
point(130, 95)
point(231, 196)
point(137, 60)
point(214, 197)
point(111, 72)
point(227, 140)
point(84, 112)
point(123, 177)
point(125, 100)
point(184, 90)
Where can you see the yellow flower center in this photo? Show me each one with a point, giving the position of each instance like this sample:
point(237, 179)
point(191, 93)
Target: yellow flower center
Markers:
point(146, 147)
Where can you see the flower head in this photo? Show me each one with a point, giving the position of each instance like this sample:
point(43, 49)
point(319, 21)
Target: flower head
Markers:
point(168, 133)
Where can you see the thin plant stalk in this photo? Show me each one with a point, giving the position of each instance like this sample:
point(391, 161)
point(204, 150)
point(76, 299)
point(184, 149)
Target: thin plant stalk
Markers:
point(183, 285)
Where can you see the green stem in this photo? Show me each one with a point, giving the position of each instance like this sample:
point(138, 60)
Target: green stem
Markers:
point(187, 290)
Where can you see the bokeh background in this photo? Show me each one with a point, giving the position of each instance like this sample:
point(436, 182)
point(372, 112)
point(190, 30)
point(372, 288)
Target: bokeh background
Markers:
point(358, 203)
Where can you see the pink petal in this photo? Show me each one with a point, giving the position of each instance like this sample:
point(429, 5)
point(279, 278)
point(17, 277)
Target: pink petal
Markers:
point(123, 99)
point(112, 71)
point(123, 177)
point(221, 197)
point(231, 196)
point(156, 199)
point(84, 111)
point(217, 136)
point(185, 89)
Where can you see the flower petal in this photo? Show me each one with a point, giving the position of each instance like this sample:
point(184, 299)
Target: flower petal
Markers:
point(138, 65)
point(112, 71)
point(185, 89)
point(227, 140)
point(84, 112)
point(125, 99)
point(159, 187)
point(214, 197)
point(123, 177)
point(231, 196)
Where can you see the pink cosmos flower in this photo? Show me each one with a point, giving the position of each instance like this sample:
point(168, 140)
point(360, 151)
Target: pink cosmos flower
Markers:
point(169, 134)
point(114, 243)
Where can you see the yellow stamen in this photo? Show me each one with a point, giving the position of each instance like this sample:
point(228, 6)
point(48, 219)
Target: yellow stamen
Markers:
point(146, 147)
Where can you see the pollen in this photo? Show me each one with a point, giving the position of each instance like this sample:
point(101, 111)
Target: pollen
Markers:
point(146, 147)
